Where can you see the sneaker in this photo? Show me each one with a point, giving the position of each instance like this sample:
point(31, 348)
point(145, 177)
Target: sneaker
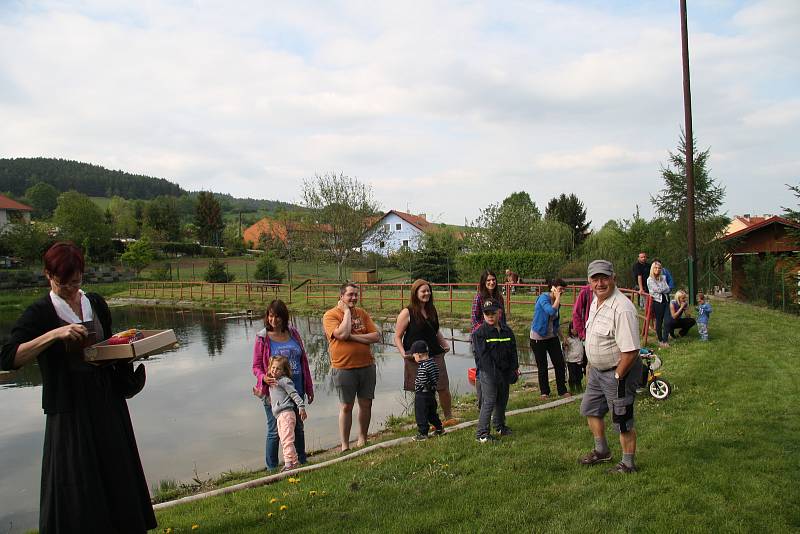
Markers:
point(545, 397)
point(420, 437)
point(290, 467)
point(505, 431)
point(594, 458)
point(486, 438)
point(566, 395)
point(438, 432)
point(622, 468)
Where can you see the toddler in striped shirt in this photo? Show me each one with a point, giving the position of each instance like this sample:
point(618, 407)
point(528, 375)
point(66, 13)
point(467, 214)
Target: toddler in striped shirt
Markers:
point(425, 391)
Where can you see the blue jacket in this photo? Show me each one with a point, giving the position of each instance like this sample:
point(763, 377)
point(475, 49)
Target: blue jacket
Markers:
point(668, 276)
point(541, 313)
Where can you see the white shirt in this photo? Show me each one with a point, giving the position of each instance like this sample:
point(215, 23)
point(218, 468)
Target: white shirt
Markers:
point(65, 312)
point(611, 329)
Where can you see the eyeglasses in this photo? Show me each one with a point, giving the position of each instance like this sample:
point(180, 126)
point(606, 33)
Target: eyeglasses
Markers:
point(74, 284)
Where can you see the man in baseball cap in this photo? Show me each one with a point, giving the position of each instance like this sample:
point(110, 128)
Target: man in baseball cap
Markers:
point(612, 348)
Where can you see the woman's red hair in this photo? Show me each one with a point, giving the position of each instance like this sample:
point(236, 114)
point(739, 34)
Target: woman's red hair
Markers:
point(63, 261)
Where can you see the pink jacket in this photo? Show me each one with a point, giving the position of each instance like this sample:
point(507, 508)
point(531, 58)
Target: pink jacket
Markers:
point(580, 311)
point(261, 356)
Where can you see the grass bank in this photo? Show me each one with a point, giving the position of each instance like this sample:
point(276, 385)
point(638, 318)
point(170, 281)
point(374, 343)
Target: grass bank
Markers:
point(719, 455)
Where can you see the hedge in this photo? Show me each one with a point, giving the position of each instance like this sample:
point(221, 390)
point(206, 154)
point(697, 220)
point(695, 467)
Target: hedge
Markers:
point(526, 264)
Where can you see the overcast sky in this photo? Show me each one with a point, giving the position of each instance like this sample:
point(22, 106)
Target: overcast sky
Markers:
point(444, 107)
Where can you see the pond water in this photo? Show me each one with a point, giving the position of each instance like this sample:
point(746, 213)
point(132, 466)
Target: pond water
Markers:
point(197, 415)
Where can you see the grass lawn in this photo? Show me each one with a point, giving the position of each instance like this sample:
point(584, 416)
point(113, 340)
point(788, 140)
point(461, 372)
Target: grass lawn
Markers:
point(188, 268)
point(719, 455)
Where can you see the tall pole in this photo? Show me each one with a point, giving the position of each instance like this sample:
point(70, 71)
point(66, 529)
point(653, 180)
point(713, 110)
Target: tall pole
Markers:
point(689, 147)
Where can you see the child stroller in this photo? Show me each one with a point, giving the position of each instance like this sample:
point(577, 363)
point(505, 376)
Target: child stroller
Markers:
point(658, 388)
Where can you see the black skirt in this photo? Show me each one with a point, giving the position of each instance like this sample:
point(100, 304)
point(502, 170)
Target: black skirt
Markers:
point(92, 477)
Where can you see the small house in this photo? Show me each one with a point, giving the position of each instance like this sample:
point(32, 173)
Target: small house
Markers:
point(12, 211)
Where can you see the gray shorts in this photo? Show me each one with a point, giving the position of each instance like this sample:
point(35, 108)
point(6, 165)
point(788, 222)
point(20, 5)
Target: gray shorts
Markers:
point(354, 382)
point(605, 393)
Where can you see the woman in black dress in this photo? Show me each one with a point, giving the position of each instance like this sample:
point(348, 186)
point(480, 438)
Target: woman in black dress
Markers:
point(92, 478)
point(419, 321)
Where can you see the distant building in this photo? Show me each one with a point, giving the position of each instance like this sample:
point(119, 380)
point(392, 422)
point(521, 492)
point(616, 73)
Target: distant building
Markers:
point(739, 222)
point(396, 230)
point(770, 235)
point(12, 211)
point(273, 230)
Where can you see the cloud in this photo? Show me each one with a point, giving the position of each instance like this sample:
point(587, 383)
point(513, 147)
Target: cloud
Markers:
point(442, 106)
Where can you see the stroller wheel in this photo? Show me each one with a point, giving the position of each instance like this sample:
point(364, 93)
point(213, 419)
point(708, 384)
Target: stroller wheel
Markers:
point(659, 389)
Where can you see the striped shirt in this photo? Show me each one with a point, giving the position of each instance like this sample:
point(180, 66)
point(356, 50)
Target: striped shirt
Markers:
point(427, 376)
point(612, 328)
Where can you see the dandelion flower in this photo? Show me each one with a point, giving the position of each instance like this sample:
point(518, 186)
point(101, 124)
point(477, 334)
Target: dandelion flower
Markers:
point(312, 493)
point(195, 527)
point(293, 480)
point(270, 514)
point(284, 507)
point(168, 530)
point(273, 500)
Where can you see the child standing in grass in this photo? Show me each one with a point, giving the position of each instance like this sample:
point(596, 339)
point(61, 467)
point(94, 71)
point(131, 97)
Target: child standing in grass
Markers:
point(284, 399)
point(573, 354)
point(495, 349)
point(425, 391)
point(703, 313)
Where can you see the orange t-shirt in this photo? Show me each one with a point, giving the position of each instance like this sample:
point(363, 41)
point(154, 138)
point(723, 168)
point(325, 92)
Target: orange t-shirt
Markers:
point(348, 354)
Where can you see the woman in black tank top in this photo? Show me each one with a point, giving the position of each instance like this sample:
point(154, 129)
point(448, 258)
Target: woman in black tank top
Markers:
point(419, 321)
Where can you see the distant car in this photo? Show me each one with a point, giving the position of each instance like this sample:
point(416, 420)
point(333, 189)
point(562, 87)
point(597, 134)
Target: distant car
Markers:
point(9, 262)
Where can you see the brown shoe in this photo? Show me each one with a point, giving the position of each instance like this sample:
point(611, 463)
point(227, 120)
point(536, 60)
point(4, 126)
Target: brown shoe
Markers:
point(594, 458)
point(621, 468)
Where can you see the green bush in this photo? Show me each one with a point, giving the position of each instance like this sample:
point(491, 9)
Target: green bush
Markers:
point(187, 249)
point(527, 264)
point(434, 266)
point(218, 272)
point(267, 269)
point(161, 273)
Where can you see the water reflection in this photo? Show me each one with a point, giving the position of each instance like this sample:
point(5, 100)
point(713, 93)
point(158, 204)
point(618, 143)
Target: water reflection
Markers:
point(197, 412)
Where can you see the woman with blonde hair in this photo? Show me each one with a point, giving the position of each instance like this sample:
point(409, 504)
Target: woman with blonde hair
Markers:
point(679, 315)
point(658, 287)
point(419, 321)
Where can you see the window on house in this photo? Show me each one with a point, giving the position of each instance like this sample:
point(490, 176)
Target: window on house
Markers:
point(398, 226)
point(405, 242)
point(386, 227)
point(382, 244)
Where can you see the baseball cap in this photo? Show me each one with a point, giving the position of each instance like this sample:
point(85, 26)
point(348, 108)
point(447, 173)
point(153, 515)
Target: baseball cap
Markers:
point(417, 347)
point(600, 267)
point(490, 306)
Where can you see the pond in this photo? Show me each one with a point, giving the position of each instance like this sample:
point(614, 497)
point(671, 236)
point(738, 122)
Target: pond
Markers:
point(197, 415)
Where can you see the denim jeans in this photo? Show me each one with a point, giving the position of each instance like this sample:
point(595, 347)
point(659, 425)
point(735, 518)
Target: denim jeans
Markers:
point(494, 399)
point(273, 441)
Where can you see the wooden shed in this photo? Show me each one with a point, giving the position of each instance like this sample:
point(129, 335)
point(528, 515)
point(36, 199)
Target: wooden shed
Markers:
point(770, 236)
point(369, 276)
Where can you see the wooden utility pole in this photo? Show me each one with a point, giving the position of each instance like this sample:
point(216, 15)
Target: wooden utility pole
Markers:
point(689, 147)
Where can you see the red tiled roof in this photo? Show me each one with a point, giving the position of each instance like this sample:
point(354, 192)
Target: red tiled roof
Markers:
point(761, 224)
point(8, 204)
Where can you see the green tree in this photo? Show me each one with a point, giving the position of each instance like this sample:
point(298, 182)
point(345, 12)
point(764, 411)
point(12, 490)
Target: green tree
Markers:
point(342, 207)
point(793, 214)
point(670, 203)
point(43, 198)
point(81, 221)
point(267, 269)
point(123, 215)
point(161, 219)
point(569, 210)
point(506, 226)
point(139, 255)
point(208, 219)
point(217, 272)
point(26, 241)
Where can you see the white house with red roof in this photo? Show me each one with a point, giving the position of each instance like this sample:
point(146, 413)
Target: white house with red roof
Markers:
point(12, 211)
point(396, 230)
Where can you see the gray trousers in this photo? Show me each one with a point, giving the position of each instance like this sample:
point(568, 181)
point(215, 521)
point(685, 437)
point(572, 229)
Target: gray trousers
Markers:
point(494, 399)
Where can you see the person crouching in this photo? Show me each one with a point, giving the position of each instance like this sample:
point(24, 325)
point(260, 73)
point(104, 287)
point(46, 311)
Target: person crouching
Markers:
point(495, 349)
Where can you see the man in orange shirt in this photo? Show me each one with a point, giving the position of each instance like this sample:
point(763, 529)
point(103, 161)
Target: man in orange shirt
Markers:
point(350, 332)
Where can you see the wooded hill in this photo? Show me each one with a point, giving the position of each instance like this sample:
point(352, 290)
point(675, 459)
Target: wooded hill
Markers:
point(18, 174)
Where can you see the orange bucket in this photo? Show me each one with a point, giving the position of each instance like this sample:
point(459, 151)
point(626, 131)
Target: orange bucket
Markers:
point(471, 375)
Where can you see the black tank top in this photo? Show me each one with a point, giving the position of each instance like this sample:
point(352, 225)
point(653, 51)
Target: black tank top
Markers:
point(426, 331)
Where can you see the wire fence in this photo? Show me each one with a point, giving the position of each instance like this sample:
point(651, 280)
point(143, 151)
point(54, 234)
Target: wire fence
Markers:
point(456, 298)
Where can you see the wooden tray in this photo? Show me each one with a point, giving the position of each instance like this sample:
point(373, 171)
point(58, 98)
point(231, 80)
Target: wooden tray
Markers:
point(152, 341)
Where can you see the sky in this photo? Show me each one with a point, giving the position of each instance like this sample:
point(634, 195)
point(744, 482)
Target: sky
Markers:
point(443, 107)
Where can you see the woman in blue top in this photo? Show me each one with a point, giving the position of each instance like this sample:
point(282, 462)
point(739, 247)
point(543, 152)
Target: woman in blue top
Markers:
point(545, 338)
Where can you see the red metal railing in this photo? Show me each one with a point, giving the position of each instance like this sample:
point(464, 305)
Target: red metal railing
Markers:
point(519, 297)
